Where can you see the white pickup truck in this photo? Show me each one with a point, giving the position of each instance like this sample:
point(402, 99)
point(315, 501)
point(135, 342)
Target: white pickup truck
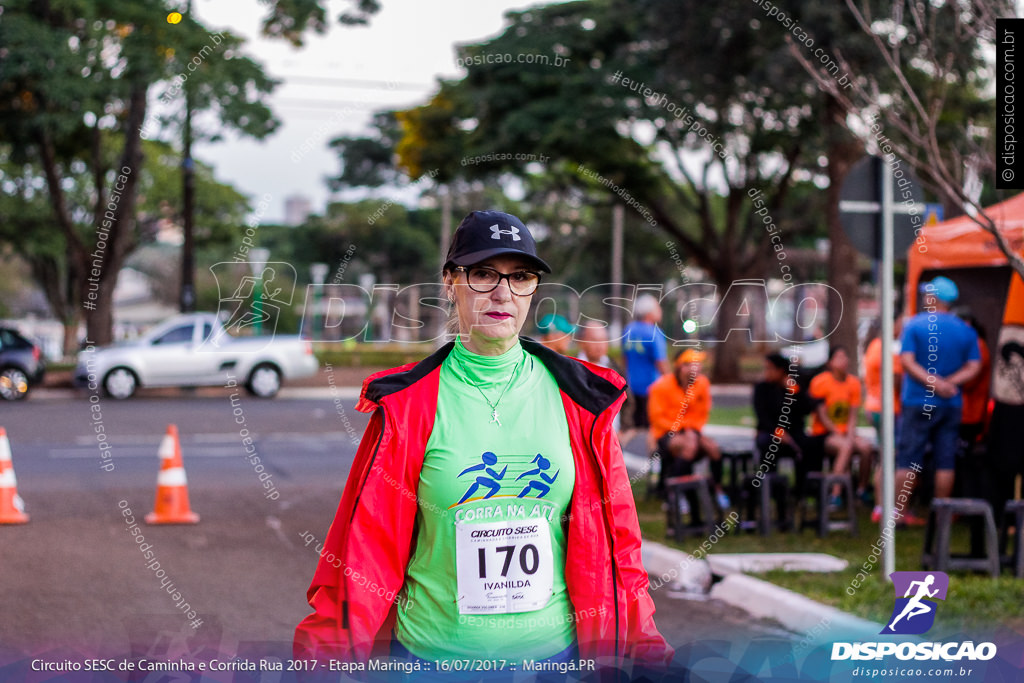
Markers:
point(195, 350)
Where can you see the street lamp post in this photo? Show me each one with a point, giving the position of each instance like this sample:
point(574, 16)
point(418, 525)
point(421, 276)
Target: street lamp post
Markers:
point(318, 273)
point(259, 256)
point(187, 297)
point(366, 282)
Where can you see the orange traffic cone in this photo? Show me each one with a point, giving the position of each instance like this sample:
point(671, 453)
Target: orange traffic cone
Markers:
point(12, 507)
point(171, 505)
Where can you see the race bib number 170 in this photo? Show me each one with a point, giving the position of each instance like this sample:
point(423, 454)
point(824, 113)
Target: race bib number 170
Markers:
point(504, 567)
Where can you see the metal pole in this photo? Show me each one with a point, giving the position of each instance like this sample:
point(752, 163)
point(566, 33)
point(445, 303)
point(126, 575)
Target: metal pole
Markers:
point(446, 221)
point(257, 304)
point(446, 236)
point(316, 305)
point(188, 190)
point(618, 217)
point(888, 417)
point(317, 273)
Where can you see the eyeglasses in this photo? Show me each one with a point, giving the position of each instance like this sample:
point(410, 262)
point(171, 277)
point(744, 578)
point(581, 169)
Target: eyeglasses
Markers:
point(482, 279)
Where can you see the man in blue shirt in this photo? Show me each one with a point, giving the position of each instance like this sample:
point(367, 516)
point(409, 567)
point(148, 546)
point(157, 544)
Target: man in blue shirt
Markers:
point(939, 353)
point(645, 348)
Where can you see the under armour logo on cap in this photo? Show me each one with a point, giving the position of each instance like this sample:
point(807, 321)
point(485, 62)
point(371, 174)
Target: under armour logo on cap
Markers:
point(474, 240)
point(497, 232)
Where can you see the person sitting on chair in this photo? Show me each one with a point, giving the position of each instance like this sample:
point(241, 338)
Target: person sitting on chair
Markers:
point(781, 407)
point(835, 418)
point(678, 406)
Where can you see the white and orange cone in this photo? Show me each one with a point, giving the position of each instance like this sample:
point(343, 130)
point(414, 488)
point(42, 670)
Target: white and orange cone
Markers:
point(171, 505)
point(12, 507)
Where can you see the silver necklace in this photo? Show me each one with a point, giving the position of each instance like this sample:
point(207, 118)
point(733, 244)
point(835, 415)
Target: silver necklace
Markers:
point(494, 406)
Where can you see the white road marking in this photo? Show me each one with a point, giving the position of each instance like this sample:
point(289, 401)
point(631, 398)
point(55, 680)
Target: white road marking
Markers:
point(135, 452)
point(198, 445)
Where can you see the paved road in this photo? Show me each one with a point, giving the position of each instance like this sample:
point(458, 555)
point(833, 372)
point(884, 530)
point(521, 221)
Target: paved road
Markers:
point(75, 584)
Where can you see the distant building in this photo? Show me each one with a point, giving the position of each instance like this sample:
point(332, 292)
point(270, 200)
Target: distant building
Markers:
point(297, 209)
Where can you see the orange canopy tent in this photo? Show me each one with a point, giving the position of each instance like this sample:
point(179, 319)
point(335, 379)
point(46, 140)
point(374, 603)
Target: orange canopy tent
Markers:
point(966, 253)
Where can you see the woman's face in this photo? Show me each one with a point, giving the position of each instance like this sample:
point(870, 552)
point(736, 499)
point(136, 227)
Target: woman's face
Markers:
point(489, 322)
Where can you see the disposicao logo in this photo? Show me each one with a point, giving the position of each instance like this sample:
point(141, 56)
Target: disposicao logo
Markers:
point(916, 592)
point(914, 614)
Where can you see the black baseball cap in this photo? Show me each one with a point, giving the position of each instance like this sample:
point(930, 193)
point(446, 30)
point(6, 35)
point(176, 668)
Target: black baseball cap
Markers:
point(483, 234)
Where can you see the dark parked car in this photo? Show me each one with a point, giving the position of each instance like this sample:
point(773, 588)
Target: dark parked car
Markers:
point(21, 365)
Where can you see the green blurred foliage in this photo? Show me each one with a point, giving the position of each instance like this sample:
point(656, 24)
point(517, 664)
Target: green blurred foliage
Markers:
point(75, 76)
point(700, 76)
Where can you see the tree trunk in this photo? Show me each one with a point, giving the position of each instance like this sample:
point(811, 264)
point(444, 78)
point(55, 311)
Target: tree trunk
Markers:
point(728, 352)
point(843, 152)
point(71, 323)
point(100, 321)
point(120, 238)
point(740, 320)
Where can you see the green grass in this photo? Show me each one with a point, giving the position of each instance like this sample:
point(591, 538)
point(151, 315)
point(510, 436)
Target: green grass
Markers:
point(743, 416)
point(734, 416)
point(975, 604)
point(375, 355)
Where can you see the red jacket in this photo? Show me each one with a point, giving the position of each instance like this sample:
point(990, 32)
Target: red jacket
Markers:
point(363, 563)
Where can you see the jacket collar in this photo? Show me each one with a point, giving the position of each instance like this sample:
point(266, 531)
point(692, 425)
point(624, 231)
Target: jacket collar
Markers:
point(590, 387)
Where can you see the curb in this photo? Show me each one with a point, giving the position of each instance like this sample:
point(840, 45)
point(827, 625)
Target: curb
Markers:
point(794, 611)
point(756, 597)
point(724, 564)
point(678, 570)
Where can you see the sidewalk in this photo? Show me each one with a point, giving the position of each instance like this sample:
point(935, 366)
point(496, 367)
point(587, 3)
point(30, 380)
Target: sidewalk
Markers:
point(759, 598)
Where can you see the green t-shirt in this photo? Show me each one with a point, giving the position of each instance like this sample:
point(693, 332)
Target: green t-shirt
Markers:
point(494, 495)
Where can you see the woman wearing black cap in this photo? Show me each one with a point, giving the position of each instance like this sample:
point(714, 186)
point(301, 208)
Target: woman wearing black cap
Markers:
point(488, 513)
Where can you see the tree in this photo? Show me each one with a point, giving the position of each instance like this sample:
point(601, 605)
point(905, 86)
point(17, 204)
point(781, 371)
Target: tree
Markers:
point(291, 19)
point(824, 31)
point(398, 245)
point(937, 114)
point(74, 87)
point(26, 221)
point(685, 153)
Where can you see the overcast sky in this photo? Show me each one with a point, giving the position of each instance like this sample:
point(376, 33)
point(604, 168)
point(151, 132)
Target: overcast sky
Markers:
point(334, 83)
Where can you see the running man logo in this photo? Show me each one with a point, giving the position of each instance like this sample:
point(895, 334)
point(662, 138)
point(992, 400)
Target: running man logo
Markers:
point(485, 475)
point(914, 612)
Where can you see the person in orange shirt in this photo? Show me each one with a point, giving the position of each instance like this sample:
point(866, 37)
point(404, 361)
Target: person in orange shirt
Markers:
point(678, 407)
point(835, 418)
point(873, 373)
point(873, 394)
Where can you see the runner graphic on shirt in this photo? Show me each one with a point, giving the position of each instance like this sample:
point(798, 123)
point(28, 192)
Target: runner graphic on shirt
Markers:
point(488, 460)
point(542, 464)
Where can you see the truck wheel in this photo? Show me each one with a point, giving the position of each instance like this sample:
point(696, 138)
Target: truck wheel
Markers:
point(264, 381)
point(120, 383)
